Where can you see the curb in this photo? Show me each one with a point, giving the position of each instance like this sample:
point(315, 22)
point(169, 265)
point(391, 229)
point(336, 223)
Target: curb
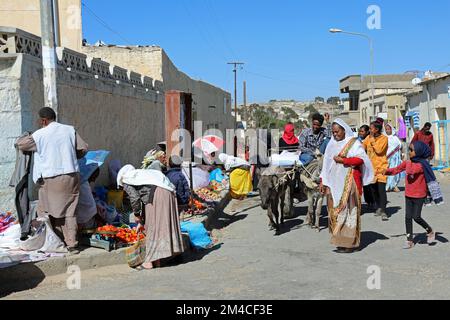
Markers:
point(92, 258)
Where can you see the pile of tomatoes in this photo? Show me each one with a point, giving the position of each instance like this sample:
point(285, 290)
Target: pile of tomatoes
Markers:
point(125, 235)
point(129, 235)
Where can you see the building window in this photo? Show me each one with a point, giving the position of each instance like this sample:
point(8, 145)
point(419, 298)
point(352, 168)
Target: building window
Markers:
point(225, 105)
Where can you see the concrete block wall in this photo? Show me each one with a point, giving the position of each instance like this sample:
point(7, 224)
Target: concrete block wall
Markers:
point(125, 117)
point(10, 125)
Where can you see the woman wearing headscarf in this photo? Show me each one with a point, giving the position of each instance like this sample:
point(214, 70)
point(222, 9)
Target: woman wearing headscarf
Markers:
point(394, 157)
point(154, 205)
point(288, 142)
point(420, 181)
point(346, 169)
point(155, 159)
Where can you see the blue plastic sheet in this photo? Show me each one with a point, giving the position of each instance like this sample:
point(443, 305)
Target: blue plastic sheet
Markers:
point(217, 175)
point(90, 162)
point(198, 235)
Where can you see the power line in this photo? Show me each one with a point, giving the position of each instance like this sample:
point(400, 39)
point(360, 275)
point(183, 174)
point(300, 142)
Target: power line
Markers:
point(215, 18)
point(285, 81)
point(202, 34)
point(105, 24)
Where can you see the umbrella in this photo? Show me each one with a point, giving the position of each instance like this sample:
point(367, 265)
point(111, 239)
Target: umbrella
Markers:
point(209, 144)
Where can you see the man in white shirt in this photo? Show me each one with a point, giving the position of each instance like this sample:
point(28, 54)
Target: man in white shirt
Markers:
point(57, 148)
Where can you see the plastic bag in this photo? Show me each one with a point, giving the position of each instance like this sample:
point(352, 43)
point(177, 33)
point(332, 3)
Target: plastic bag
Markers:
point(217, 175)
point(52, 242)
point(43, 239)
point(36, 240)
point(107, 213)
point(198, 234)
point(201, 177)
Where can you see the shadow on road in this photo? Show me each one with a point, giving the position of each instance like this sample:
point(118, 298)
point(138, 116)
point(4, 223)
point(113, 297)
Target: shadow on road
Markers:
point(289, 225)
point(392, 210)
point(191, 256)
point(370, 237)
point(223, 220)
point(422, 238)
point(20, 277)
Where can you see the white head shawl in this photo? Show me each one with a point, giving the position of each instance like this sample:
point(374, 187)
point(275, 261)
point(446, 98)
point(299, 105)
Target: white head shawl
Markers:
point(334, 174)
point(143, 177)
point(393, 141)
point(122, 172)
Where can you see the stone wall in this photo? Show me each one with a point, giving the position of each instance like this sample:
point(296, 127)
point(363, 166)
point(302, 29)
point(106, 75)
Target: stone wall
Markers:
point(112, 108)
point(211, 104)
point(25, 15)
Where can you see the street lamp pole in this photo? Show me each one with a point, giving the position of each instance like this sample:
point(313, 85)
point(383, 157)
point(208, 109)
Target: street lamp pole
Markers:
point(371, 62)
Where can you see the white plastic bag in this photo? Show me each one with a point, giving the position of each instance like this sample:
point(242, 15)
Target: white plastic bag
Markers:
point(43, 239)
point(53, 243)
point(201, 177)
point(36, 240)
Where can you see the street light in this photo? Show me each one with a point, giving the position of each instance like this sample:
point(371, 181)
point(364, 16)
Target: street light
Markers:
point(334, 30)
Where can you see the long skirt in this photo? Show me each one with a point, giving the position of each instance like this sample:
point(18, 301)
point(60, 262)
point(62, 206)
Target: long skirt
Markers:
point(394, 161)
point(58, 198)
point(162, 227)
point(345, 221)
point(240, 183)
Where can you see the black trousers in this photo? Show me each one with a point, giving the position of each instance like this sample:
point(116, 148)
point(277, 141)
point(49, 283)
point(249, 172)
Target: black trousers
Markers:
point(379, 195)
point(414, 212)
point(368, 197)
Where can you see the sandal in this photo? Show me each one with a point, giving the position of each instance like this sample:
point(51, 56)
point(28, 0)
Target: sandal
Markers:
point(344, 250)
point(408, 245)
point(141, 267)
point(431, 237)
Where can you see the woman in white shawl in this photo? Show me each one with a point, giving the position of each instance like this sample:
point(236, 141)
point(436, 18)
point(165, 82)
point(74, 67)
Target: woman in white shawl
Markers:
point(154, 205)
point(394, 156)
point(346, 168)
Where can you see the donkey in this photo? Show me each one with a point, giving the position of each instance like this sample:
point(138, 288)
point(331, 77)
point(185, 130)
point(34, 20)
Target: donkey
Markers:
point(275, 193)
point(310, 179)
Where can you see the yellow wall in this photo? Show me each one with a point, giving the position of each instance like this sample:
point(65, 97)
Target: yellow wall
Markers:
point(25, 14)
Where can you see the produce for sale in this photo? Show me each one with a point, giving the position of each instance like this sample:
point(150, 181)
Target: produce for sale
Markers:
point(207, 195)
point(123, 234)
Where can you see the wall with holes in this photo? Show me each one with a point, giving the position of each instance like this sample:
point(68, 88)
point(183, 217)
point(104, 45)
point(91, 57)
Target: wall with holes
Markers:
point(112, 108)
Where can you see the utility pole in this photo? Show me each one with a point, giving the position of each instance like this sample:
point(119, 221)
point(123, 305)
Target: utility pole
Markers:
point(56, 23)
point(245, 103)
point(235, 90)
point(49, 61)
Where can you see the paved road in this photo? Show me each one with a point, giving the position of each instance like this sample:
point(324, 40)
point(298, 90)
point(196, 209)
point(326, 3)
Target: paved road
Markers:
point(252, 263)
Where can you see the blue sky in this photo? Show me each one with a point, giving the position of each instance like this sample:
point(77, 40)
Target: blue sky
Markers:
point(285, 44)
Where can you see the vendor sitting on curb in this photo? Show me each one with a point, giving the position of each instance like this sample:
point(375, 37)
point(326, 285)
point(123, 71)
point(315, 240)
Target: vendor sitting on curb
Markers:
point(240, 177)
point(180, 182)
